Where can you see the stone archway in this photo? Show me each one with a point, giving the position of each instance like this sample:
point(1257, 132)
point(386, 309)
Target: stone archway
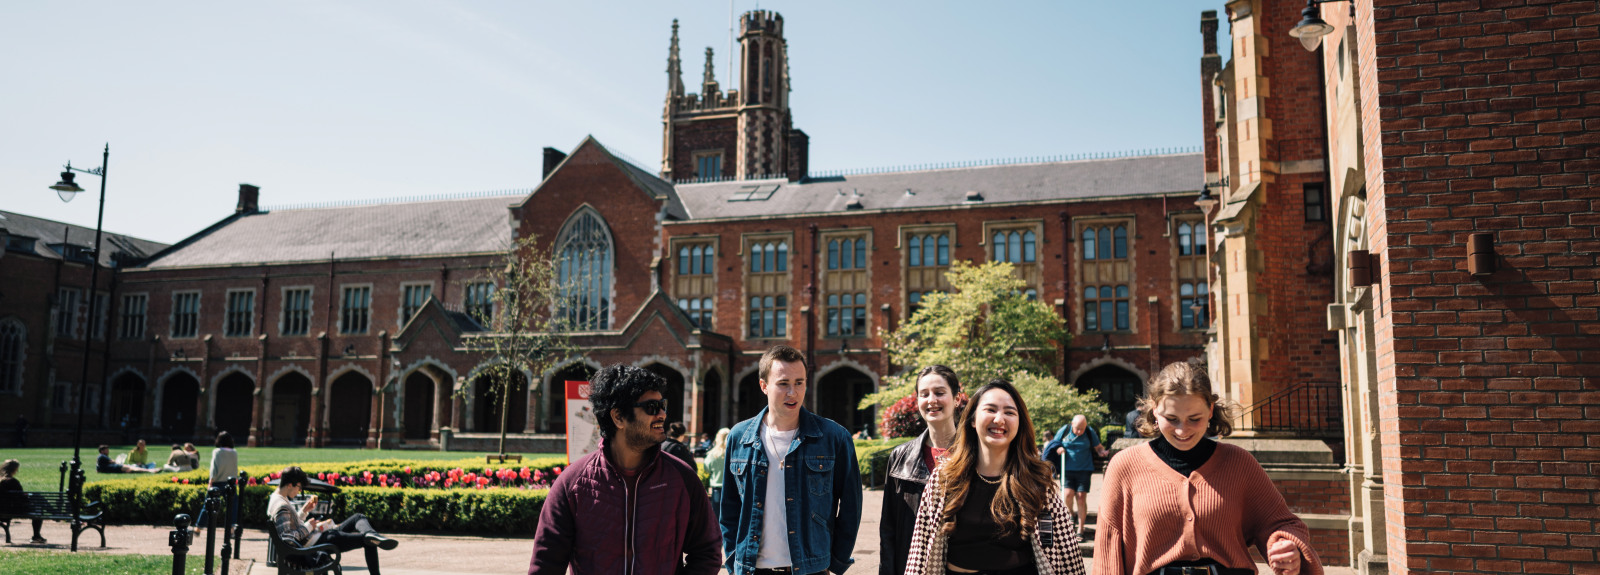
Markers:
point(838, 392)
point(674, 392)
point(419, 406)
point(180, 396)
point(127, 402)
point(291, 410)
point(751, 400)
point(711, 402)
point(349, 409)
point(487, 406)
point(1119, 388)
point(233, 405)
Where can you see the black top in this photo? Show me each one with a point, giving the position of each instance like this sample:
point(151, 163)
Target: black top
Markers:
point(104, 464)
point(680, 451)
point(1184, 462)
point(976, 542)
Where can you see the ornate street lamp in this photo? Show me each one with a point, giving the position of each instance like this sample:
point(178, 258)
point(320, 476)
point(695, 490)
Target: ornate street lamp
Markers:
point(1312, 27)
point(68, 189)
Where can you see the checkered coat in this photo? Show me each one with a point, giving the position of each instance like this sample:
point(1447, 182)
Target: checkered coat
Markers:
point(1058, 555)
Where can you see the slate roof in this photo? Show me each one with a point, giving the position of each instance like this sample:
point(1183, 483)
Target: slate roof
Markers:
point(473, 225)
point(116, 249)
point(1068, 180)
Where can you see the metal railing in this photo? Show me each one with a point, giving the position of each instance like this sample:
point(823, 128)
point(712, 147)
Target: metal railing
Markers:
point(1309, 409)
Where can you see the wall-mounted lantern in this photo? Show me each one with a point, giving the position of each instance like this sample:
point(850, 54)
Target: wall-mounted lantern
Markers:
point(1360, 267)
point(1480, 254)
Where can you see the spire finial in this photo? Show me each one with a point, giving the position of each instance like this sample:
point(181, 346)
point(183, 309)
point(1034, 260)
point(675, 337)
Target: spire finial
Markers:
point(711, 76)
point(674, 68)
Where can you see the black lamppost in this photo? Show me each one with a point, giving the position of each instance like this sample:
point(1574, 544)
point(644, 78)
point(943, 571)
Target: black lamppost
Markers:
point(67, 189)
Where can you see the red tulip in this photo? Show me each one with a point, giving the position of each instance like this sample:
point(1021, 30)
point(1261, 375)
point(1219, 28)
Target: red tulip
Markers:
point(408, 470)
point(186, 482)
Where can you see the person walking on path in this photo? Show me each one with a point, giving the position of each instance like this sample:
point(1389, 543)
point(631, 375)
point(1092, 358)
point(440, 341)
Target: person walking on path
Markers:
point(627, 507)
point(794, 506)
point(224, 468)
point(1184, 502)
point(991, 507)
point(716, 466)
point(1078, 444)
point(673, 445)
point(10, 484)
point(939, 403)
point(355, 532)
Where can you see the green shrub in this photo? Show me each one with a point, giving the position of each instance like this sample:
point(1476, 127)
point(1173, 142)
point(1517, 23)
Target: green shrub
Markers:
point(1109, 434)
point(156, 499)
point(872, 458)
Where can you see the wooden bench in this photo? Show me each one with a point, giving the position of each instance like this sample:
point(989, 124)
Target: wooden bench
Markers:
point(54, 506)
point(289, 557)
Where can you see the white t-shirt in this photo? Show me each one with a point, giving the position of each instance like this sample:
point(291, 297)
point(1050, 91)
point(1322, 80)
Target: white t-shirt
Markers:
point(775, 521)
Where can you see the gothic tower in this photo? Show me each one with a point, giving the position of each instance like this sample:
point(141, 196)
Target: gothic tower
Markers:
point(741, 134)
point(764, 87)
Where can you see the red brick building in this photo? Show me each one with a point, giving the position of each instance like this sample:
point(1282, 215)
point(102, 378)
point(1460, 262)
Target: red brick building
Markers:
point(345, 323)
point(44, 313)
point(1458, 170)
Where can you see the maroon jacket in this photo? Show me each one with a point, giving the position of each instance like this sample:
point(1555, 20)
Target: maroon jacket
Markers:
point(599, 523)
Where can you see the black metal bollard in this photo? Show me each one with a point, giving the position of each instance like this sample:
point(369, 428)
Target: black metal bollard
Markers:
point(237, 525)
point(211, 504)
point(180, 539)
point(220, 515)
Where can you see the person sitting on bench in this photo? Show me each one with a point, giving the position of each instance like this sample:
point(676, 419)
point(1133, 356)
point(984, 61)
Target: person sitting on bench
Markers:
point(10, 484)
point(356, 532)
point(104, 464)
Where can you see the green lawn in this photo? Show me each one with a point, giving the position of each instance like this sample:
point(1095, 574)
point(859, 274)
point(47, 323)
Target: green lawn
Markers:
point(60, 563)
point(41, 465)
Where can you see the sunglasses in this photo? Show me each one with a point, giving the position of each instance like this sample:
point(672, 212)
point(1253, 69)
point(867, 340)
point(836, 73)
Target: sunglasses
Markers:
point(652, 407)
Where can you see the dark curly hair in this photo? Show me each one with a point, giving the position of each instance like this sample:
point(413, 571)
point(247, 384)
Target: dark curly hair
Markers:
point(619, 387)
point(293, 475)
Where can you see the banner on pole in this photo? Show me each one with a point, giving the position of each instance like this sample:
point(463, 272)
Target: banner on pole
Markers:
point(583, 430)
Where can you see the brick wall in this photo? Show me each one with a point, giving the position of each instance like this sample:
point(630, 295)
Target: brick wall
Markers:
point(1330, 497)
point(1484, 116)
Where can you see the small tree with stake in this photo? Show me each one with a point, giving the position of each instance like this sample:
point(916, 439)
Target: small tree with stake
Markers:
point(524, 330)
point(983, 329)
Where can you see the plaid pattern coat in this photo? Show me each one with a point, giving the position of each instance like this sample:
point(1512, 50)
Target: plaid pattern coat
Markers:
point(1055, 545)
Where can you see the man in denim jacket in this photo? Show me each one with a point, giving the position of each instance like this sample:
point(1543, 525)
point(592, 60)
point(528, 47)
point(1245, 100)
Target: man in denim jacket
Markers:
point(791, 501)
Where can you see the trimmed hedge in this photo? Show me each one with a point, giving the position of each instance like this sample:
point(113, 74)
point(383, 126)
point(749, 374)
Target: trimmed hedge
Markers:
point(872, 457)
point(156, 499)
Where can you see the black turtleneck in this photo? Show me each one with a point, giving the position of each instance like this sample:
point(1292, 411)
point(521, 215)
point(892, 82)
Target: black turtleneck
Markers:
point(1184, 462)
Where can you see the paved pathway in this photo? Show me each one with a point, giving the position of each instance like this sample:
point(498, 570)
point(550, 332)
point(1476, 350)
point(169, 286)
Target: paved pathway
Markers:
point(435, 554)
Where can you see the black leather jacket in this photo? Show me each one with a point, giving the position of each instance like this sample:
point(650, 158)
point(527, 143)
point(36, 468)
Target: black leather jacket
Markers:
point(908, 475)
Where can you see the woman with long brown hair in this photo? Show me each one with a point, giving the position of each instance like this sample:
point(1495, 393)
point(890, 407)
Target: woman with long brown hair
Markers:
point(991, 507)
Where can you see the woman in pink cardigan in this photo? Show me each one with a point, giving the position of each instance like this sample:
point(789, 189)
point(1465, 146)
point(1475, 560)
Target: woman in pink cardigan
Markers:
point(1185, 501)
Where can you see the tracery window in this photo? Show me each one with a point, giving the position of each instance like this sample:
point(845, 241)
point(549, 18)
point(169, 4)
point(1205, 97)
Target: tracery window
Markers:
point(585, 272)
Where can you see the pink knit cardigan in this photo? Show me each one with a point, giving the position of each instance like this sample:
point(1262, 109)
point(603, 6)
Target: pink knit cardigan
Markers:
point(1151, 515)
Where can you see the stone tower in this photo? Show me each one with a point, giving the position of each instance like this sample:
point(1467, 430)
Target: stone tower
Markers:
point(746, 133)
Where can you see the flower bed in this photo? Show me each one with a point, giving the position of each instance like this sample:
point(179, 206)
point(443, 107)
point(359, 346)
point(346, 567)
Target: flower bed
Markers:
point(398, 495)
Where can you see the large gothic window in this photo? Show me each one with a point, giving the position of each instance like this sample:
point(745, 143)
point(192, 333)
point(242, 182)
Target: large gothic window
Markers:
point(584, 249)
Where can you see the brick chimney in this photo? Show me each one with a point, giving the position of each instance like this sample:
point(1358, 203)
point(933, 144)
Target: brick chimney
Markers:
point(552, 158)
point(249, 199)
point(799, 152)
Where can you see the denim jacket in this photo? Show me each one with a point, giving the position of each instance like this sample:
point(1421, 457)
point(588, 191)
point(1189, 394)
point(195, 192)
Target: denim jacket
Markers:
point(820, 479)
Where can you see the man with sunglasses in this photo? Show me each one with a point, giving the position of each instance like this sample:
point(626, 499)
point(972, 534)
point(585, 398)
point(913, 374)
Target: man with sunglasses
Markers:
point(791, 497)
point(626, 508)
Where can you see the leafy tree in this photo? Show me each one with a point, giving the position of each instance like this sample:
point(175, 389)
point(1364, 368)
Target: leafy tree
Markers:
point(523, 332)
point(985, 328)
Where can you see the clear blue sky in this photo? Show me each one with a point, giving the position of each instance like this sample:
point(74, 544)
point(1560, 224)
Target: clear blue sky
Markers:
point(354, 99)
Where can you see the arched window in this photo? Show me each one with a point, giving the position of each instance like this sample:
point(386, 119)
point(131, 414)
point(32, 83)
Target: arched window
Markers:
point(683, 261)
point(1000, 247)
point(944, 250)
point(694, 260)
point(861, 253)
point(585, 261)
point(1199, 239)
point(1029, 249)
point(1185, 239)
point(708, 259)
point(13, 345)
point(1105, 243)
point(1121, 249)
point(1088, 244)
point(833, 254)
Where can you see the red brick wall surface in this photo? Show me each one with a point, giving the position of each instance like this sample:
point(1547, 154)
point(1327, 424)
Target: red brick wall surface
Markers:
point(1484, 116)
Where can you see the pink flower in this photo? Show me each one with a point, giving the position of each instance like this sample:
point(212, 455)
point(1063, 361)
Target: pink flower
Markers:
point(186, 482)
point(557, 470)
point(408, 470)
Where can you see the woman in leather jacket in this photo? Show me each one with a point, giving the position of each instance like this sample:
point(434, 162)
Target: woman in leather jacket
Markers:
point(939, 402)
